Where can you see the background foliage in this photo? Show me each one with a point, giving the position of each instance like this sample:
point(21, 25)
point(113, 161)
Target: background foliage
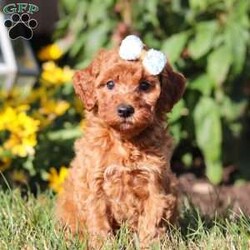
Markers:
point(206, 40)
point(37, 129)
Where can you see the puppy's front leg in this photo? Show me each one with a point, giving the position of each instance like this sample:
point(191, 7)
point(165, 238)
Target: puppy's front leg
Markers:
point(157, 209)
point(97, 220)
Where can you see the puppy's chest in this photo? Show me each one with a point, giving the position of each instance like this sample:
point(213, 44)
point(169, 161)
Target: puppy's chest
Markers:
point(131, 156)
point(129, 174)
point(126, 190)
point(127, 181)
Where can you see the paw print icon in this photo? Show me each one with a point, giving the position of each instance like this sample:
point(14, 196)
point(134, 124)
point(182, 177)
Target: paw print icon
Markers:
point(20, 26)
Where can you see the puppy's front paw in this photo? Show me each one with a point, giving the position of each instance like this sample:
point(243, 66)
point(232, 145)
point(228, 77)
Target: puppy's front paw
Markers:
point(99, 240)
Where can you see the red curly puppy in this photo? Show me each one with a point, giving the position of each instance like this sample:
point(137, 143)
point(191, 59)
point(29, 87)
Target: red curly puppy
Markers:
point(121, 171)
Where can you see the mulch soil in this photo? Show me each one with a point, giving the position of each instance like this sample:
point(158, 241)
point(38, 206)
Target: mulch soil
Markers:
point(214, 200)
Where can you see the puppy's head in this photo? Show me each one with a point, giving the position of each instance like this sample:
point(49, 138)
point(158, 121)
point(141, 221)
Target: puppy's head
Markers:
point(124, 95)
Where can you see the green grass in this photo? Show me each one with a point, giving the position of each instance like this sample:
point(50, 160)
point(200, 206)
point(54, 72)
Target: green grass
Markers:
point(27, 223)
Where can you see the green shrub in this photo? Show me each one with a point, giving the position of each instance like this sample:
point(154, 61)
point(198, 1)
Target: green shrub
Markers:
point(206, 40)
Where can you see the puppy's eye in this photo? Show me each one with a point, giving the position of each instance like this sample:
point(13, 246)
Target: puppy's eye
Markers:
point(144, 86)
point(110, 85)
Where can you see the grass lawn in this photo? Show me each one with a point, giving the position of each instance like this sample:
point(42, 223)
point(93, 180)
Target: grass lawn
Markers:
point(28, 223)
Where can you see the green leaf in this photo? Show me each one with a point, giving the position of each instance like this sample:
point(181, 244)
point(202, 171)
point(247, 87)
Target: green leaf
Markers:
point(29, 165)
point(151, 12)
point(69, 5)
point(97, 12)
point(214, 171)
point(64, 134)
point(203, 40)
point(150, 40)
point(203, 5)
point(174, 45)
point(96, 38)
point(208, 127)
point(177, 111)
point(78, 45)
point(77, 21)
point(187, 159)
point(237, 46)
point(219, 62)
point(231, 110)
point(176, 132)
point(203, 84)
point(208, 133)
point(241, 12)
point(197, 4)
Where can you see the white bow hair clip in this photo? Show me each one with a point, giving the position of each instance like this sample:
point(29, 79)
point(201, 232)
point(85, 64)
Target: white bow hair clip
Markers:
point(153, 60)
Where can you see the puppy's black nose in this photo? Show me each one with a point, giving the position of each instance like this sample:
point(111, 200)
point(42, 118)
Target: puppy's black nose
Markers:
point(125, 110)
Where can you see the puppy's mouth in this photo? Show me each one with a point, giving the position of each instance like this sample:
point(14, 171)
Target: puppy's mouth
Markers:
point(126, 124)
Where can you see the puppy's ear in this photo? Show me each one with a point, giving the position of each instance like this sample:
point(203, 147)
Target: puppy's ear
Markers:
point(84, 81)
point(172, 88)
point(84, 87)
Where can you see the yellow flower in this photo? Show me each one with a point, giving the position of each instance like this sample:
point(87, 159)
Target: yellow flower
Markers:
point(54, 75)
point(9, 116)
point(52, 107)
point(22, 128)
point(56, 179)
point(50, 52)
point(21, 146)
point(24, 125)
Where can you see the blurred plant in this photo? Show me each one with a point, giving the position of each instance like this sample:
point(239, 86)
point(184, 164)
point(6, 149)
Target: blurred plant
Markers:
point(38, 128)
point(19, 176)
point(212, 50)
point(50, 52)
point(21, 129)
point(5, 161)
point(207, 40)
point(86, 26)
point(52, 74)
point(57, 178)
